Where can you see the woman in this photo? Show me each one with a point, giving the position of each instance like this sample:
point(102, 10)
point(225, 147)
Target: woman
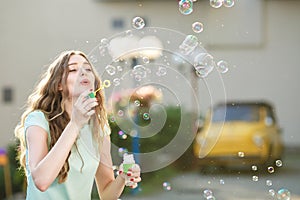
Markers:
point(65, 138)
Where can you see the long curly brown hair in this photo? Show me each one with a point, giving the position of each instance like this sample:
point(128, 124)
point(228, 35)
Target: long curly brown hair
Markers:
point(47, 98)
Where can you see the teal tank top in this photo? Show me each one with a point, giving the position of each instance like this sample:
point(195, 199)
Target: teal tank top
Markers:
point(83, 162)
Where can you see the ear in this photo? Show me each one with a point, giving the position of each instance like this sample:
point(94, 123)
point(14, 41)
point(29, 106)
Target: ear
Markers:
point(60, 88)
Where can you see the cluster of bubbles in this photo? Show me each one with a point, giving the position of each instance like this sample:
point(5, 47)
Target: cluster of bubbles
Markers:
point(167, 186)
point(204, 63)
point(208, 194)
point(186, 6)
point(282, 194)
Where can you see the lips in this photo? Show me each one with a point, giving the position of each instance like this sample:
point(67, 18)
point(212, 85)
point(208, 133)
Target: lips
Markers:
point(85, 82)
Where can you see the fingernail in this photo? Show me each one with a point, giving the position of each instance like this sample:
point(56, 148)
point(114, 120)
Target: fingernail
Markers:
point(128, 174)
point(91, 89)
point(132, 179)
point(120, 172)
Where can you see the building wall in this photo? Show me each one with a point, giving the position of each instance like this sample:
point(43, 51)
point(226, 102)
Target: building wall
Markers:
point(259, 39)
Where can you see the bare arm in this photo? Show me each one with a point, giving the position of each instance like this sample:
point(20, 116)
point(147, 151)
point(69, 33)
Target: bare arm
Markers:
point(110, 188)
point(44, 165)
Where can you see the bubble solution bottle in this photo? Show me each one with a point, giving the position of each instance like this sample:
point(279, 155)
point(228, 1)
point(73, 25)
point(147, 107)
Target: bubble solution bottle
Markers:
point(128, 162)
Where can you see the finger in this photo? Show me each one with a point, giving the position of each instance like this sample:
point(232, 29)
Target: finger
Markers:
point(136, 179)
point(90, 113)
point(134, 185)
point(91, 105)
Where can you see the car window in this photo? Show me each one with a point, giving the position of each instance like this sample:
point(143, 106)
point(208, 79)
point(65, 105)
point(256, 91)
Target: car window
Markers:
point(249, 113)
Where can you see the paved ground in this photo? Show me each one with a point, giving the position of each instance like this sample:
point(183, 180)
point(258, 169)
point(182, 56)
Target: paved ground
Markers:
point(233, 185)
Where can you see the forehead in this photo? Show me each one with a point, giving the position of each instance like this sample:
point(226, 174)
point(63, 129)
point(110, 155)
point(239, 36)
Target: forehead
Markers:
point(74, 59)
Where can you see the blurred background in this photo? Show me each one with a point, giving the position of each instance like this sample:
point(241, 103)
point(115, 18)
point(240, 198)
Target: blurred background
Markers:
point(259, 39)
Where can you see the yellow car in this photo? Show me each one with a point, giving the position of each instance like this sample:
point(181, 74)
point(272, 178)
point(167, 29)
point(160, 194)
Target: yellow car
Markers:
point(239, 134)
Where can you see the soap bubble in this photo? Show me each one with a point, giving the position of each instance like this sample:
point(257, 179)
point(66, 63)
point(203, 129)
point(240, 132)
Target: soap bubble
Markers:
point(271, 169)
point(167, 186)
point(222, 66)
point(283, 194)
point(161, 71)
point(254, 178)
point(278, 163)
point(116, 81)
point(207, 193)
point(228, 3)
point(189, 44)
point(269, 183)
point(254, 168)
point(146, 116)
point(120, 113)
point(197, 27)
point(272, 192)
point(111, 70)
point(104, 42)
point(138, 23)
point(216, 3)
point(122, 151)
point(222, 182)
point(185, 6)
point(146, 60)
point(241, 154)
point(203, 64)
point(137, 103)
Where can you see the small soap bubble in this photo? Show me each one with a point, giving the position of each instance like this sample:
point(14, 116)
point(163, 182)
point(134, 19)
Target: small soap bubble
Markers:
point(228, 3)
point(272, 192)
point(283, 194)
point(120, 113)
point(222, 182)
point(185, 7)
point(122, 151)
point(254, 178)
point(167, 186)
point(269, 183)
point(119, 68)
point(104, 42)
point(138, 23)
point(146, 116)
point(112, 119)
point(146, 60)
point(216, 3)
point(241, 154)
point(161, 71)
point(271, 169)
point(116, 81)
point(139, 72)
point(133, 133)
point(137, 103)
point(197, 27)
point(254, 168)
point(222, 66)
point(111, 70)
point(128, 33)
point(93, 59)
point(278, 163)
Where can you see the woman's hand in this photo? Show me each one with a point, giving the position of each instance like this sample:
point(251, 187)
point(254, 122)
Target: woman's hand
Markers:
point(83, 109)
point(132, 177)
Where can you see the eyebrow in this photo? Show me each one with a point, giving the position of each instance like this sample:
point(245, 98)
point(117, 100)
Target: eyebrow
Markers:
point(77, 63)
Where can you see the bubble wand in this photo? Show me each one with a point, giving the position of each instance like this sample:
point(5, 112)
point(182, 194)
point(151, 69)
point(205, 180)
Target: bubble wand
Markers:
point(106, 84)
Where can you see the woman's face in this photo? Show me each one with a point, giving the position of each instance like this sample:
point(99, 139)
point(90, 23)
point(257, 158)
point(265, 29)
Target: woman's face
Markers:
point(80, 77)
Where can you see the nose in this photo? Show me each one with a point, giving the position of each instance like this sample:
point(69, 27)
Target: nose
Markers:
point(82, 71)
